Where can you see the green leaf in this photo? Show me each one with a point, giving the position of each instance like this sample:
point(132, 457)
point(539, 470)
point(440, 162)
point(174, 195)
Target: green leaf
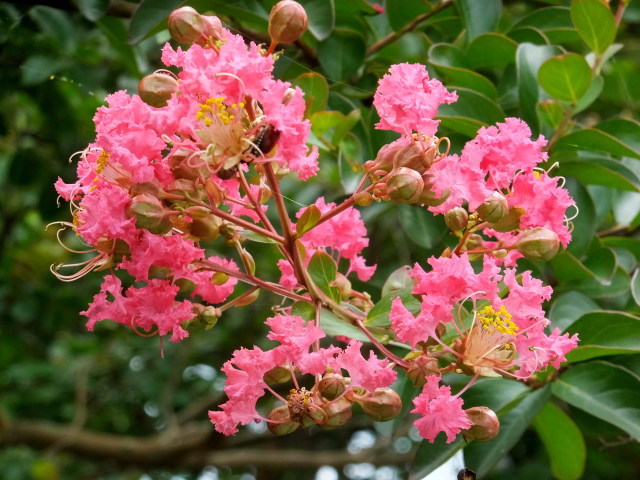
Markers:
point(256, 237)
point(308, 220)
point(304, 310)
point(322, 270)
point(378, 316)
point(569, 307)
point(250, 11)
point(605, 333)
point(430, 456)
point(550, 113)
point(354, 7)
point(591, 95)
point(322, 122)
point(149, 14)
point(479, 17)
point(618, 137)
point(592, 287)
point(595, 23)
point(114, 29)
point(481, 457)
point(399, 280)
point(563, 441)
point(630, 244)
point(529, 58)
point(604, 390)
point(598, 170)
point(345, 127)
point(316, 91)
point(322, 17)
point(334, 326)
point(565, 77)
point(448, 60)
point(341, 54)
point(554, 22)
point(600, 265)
point(92, 9)
point(39, 68)
point(422, 227)
point(584, 225)
point(401, 13)
point(491, 50)
point(472, 111)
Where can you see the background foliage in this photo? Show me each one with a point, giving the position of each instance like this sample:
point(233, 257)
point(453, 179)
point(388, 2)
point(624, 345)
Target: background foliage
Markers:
point(76, 405)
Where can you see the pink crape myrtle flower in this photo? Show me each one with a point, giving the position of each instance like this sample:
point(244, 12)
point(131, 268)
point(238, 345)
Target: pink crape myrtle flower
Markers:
point(407, 100)
point(153, 305)
point(371, 373)
point(344, 234)
point(441, 412)
point(507, 335)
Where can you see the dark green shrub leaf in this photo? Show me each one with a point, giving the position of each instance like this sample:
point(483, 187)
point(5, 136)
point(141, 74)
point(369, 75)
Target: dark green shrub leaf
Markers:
point(565, 77)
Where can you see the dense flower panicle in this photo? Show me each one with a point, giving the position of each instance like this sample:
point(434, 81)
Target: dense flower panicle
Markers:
point(407, 100)
point(508, 333)
point(441, 412)
point(371, 373)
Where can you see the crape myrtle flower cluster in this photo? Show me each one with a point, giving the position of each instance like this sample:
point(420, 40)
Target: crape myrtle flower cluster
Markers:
point(197, 157)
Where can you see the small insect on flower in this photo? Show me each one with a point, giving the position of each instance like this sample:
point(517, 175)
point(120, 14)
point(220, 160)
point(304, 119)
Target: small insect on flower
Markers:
point(263, 143)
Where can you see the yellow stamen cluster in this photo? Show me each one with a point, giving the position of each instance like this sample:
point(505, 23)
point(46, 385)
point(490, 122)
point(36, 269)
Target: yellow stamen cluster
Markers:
point(215, 107)
point(102, 161)
point(500, 320)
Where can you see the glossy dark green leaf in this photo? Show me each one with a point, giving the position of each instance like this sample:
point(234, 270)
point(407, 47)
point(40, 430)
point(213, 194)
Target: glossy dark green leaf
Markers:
point(530, 35)
point(618, 137)
point(631, 244)
point(250, 11)
point(322, 270)
point(584, 225)
point(316, 91)
point(479, 17)
point(401, 13)
point(604, 390)
point(451, 63)
point(354, 7)
point(529, 58)
point(598, 170)
point(626, 209)
point(322, 17)
point(604, 333)
point(491, 50)
point(569, 307)
point(39, 68)
point(563, 441)
point(565, 77)
point(149, 14)
point(481, 457)
point(341, 54)
point(618, 285)
point(595, 23)
point(420, 226)
point(600, 265)
point(472, 111)
point(555, 22)
point(92, 9)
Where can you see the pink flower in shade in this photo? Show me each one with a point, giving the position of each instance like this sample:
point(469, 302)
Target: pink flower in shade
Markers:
point(441, 412)
point(316, 363)
point(407, 100)
point(211, 291)
point(153, 305)
point(295, 336)
point(409, 328)
point(102, 215)
point(171, 251)
point(369, 373)
point(244, 386)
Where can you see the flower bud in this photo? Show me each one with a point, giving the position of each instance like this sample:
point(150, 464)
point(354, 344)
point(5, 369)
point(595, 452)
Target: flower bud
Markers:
point(414, 153)
point(456, 219)
point(331, 386)
point(149, 214)
point(363, 199)
point(381, 405)
point(207, 315)
point(187, 163)
point(206, 229)
point(538, 244)
point(484, 424)
point(420, 368)
point(153, 188)
point(344, 286)
point(338, 413)
point(156, 89)
point(428, 196)
point(287, 21)
point(494, 208)
point(281, 423)
point(404, 185)
point(188, 26)
point(473, 242)
point(510, 221)
point(277, 375)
